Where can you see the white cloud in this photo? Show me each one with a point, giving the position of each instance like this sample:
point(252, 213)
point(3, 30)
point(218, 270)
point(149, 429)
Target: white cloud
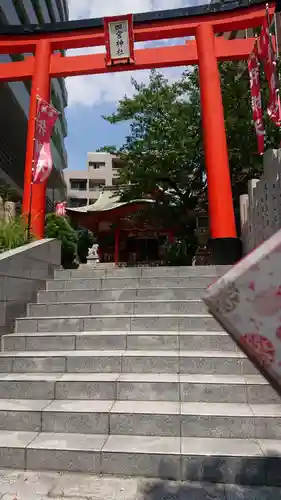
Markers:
point(82, 9)
point(101, 89)
point(109, 88)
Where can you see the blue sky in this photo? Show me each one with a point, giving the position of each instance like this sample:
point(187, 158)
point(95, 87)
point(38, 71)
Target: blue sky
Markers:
point(90, 97)
point(87, 131)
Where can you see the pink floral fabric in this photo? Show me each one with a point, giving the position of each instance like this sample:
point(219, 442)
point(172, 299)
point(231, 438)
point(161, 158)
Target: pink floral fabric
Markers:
point(247, 302)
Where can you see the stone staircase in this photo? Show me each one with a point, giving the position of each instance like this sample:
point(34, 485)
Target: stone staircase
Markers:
point(123, 371)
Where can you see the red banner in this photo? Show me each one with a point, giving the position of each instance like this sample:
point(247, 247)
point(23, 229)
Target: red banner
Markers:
point(42, 158)
point(267, 57)
point(61, 208)
point(254, 74)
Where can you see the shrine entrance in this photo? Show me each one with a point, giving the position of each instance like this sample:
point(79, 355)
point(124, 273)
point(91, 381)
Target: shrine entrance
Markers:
point(202, 22)
point(144, 247)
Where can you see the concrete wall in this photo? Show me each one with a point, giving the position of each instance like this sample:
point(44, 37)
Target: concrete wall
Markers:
point(23, 272)
point(260, 209)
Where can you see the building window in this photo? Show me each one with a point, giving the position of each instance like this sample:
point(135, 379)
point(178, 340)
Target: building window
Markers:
point(55, 100)
point(50, 12)
point(65, 9)
point(38, 12)
point(61, 10)
point(96, 165)
point(78, 184)
point(18, 4)
point(116, 181)
point(95, 184)
point(77, 202)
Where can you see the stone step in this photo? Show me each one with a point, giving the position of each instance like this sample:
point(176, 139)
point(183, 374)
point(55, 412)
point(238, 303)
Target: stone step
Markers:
point(126, 361)
point(107, 307)
point(123, 283)
point(136, 322)
point(219, 341)
point(244, 461)
point(166, 272)
point(147, 418)
point(252, 389)
point(64, 485)
point(117, 294)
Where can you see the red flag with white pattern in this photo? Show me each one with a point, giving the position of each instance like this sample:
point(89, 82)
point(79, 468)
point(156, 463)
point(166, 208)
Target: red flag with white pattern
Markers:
point(46, 118)
point(256, 101)
point(267, 57)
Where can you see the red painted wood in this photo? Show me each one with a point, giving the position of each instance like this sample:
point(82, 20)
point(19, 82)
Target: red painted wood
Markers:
point(220, 203)
point(41, 87)
point(162, 29)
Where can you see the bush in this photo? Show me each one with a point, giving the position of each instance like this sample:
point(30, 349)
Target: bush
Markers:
point(13, 234)
point(176, 254)
point(86, 240)
point(58, 227)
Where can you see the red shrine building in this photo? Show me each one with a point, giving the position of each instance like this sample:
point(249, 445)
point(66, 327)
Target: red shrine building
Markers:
point(121, 237)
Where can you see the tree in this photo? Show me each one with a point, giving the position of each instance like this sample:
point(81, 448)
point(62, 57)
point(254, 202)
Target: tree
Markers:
point(164, 151)
point(162, 159)
point(85, 241)
point(59, 228)
point(108, 149)
point(8, 193)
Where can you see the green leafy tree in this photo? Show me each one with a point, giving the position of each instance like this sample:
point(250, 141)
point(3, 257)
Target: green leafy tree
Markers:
point(162, 160)
point(8, 193)
point(13, 234)
point(108, 149)
point(59, 228)
point(85, 240)
point(164, 154)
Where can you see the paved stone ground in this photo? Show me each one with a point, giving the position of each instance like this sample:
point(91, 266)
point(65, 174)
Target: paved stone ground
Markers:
point(18, 485)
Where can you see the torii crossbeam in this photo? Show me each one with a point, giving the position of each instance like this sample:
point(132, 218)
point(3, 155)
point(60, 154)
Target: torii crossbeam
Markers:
point(206, 50)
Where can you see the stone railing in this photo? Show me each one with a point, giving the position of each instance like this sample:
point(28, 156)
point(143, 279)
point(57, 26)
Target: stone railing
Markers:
point(24, 271)
point(7, 210)
point(260, 209)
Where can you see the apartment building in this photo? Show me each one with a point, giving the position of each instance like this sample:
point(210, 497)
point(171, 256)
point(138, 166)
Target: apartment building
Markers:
point(15, 97)
point(85, 186)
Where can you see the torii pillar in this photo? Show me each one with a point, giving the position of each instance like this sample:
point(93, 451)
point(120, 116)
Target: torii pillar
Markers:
point(34, 199)
point(225, 246)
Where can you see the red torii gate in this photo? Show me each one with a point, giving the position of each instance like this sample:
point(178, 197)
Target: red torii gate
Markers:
point(205, 51)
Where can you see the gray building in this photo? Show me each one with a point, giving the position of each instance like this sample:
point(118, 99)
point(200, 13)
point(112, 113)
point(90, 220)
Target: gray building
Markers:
point(15, 97)
point(85, 186)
